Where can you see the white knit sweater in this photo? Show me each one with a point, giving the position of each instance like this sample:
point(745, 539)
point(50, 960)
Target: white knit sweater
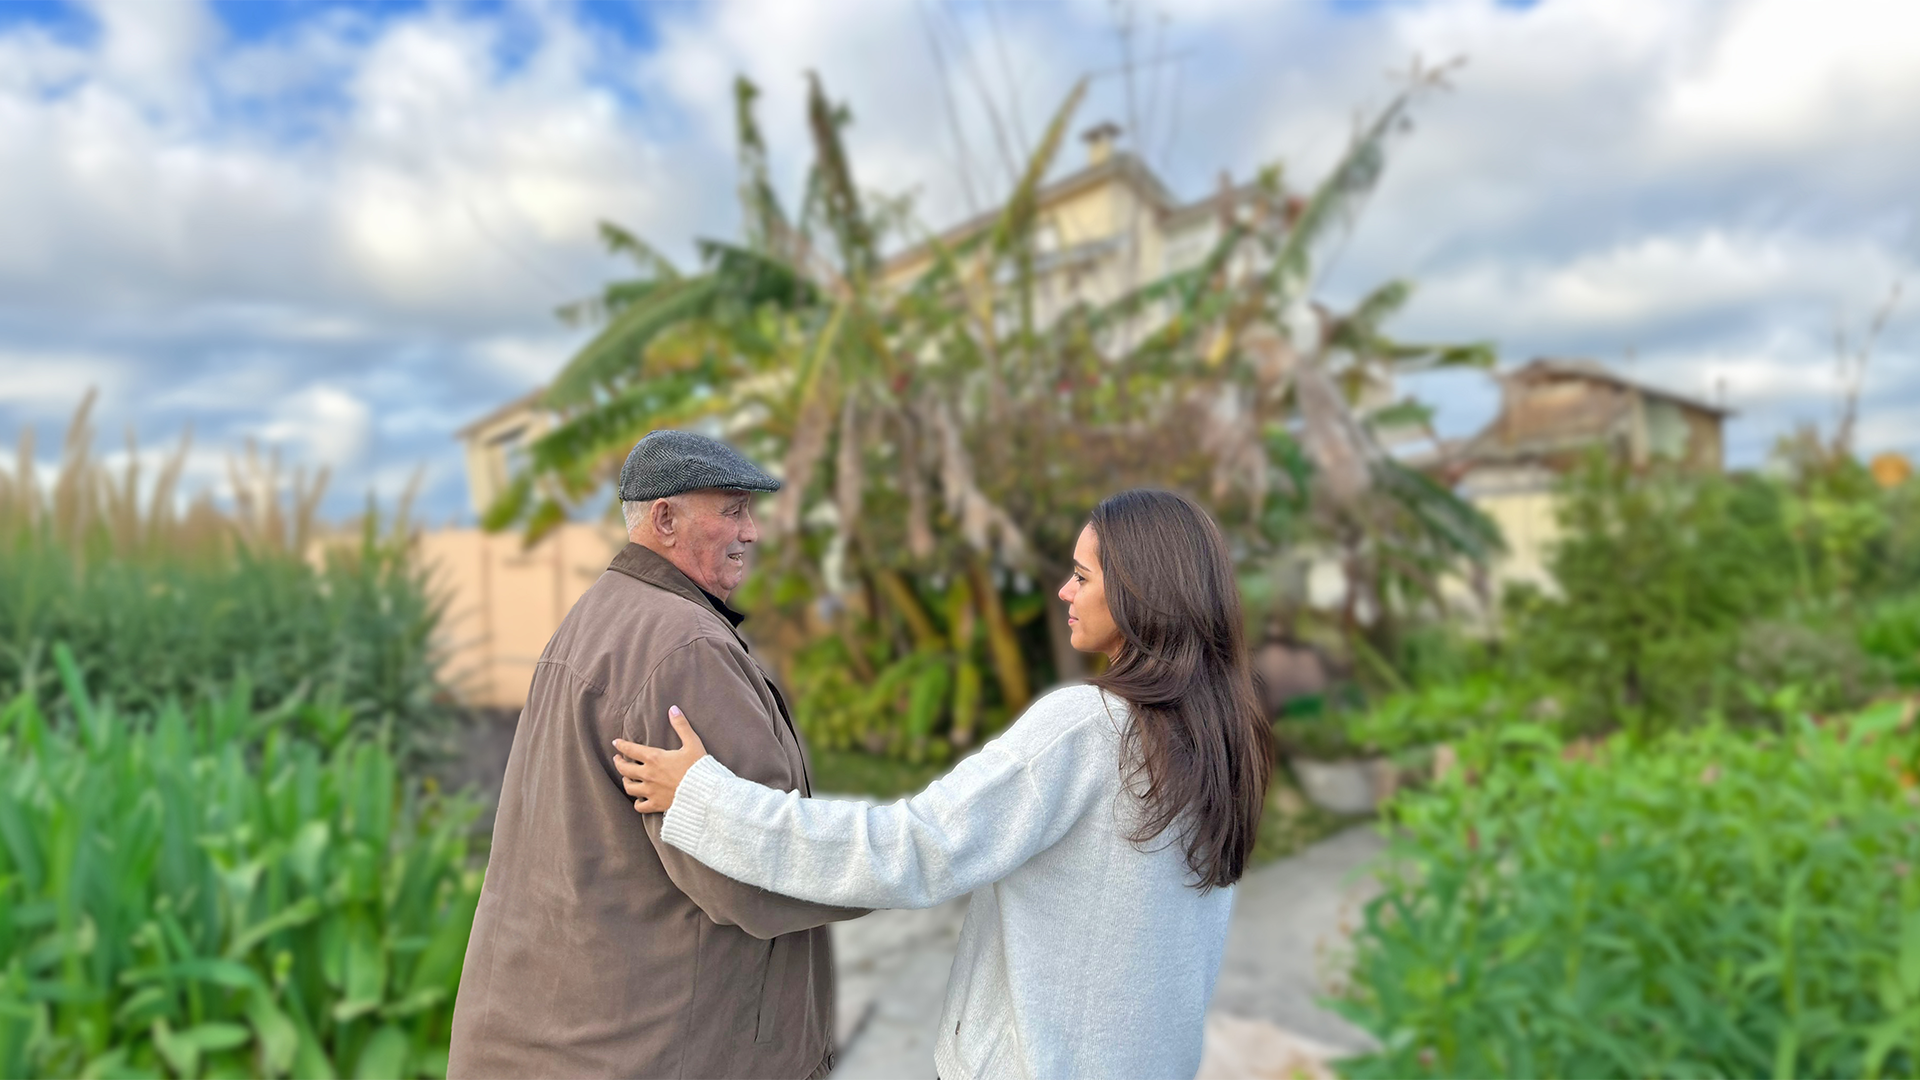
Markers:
point(1083, 955)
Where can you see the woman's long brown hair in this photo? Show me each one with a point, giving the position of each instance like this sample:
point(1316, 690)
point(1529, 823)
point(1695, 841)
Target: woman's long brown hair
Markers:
point(1198, 738)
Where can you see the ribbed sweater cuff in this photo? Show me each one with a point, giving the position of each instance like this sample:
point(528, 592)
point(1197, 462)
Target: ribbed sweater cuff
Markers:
point(686, 819)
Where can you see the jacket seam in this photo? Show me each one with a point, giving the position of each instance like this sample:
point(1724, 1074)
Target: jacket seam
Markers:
point(626, 707)
point(693, 996)
point(575, 673)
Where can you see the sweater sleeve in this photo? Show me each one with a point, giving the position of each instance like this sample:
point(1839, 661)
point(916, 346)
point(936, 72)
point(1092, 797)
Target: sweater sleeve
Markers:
point(707, 677)
point(1016, 797)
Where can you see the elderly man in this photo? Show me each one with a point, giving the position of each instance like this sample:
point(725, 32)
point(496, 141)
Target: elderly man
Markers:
point(598, 950)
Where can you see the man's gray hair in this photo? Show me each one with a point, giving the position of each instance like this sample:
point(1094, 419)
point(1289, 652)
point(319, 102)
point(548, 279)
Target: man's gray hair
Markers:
point(635, 511)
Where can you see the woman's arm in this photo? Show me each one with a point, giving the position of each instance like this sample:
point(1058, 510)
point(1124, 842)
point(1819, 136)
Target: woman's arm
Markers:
point(995, 810)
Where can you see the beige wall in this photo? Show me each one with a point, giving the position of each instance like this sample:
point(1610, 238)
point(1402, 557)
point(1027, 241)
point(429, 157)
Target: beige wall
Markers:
point(503, 603)
point(1526, 519)
point(1084, 215)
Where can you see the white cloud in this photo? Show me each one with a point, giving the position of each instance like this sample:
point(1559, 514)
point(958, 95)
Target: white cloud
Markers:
point(1783, 75)
point(321, 424)
point(37, 382)
point(529, 358)
point(150, 47)
point(346, 234)
point(1662, 278)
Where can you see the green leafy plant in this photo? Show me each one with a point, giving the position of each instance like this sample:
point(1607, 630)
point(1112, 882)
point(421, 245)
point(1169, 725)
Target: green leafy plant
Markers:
point(1712, 902)
point(219, 891)
point(1445, 712)
point(1657, 572)
point(1890, 634)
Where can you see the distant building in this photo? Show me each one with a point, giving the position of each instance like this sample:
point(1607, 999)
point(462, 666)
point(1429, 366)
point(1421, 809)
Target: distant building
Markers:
point(1553, 413)
point(1100, 231)
point(496, 445)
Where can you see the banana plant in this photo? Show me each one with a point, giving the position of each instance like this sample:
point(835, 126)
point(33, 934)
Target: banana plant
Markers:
point(939, 429)
point(1301, 396)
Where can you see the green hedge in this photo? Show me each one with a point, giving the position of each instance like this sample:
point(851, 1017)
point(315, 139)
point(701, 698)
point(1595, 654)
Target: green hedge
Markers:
point(222, 892)
point(148, 630)
point(1710, 903)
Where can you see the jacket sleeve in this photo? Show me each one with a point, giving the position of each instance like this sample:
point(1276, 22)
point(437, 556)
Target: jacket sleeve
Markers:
point(993, 812)
point(713, 679)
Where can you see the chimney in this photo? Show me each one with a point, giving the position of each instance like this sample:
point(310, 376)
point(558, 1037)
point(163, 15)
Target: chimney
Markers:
point(1099, 139)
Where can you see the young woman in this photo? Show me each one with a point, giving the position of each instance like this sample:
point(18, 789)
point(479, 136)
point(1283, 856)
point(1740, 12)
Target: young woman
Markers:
point(1100, 835)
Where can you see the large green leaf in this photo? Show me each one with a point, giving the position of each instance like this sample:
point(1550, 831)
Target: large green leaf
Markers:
point(619, 350)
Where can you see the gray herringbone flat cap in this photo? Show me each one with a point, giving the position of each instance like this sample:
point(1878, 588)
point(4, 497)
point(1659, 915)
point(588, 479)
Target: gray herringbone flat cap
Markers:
point(670, 462)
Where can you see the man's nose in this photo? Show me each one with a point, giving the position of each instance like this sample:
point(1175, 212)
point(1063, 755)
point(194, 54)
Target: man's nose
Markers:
point(749, 529)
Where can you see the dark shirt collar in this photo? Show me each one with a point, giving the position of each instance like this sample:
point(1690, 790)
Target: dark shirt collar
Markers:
point(650, 566)
point(720, 606)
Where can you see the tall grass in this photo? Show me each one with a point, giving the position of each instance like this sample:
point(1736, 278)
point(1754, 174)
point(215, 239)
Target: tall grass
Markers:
point(161, 595)
point(221, 891)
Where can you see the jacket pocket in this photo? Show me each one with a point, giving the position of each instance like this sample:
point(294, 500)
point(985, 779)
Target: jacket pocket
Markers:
point(772, 987)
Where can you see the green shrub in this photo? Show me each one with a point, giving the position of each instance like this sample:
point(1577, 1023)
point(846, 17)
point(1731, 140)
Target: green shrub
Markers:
point(1657, 574)
point(1447, 712)
point(150, 630)
point(1708, 903)
point(222, 892)
point(1819, 660)
point(1890, 634)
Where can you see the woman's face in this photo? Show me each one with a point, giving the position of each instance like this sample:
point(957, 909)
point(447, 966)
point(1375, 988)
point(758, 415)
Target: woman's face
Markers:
point(1088, 619)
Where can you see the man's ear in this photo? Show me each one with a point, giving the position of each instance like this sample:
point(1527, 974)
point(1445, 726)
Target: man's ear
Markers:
point(660, 516)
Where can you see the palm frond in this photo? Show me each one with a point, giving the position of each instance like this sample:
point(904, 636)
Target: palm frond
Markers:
point(1017, 218)
point(619, 350)
point(644, 255)
point(766, 223)
point(1351, 179)
point(839, 196)
point(1462, 528)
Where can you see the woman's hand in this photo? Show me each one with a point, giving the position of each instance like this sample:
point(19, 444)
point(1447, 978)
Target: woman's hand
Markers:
point(653, 775)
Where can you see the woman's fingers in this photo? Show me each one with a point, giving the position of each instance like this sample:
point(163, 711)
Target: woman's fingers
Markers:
point(651, 798)
point(649, 774)
point(688, 740)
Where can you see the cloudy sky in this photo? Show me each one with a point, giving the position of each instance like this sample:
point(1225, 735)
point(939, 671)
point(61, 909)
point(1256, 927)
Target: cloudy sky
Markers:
point(342, 229)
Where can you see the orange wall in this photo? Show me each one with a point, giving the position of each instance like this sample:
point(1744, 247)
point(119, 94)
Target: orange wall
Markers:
point(503, 602)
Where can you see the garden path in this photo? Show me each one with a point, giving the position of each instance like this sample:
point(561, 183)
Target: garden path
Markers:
point(1289, 921)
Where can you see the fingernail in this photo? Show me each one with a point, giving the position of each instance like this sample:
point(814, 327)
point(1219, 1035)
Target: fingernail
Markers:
point(674, 709)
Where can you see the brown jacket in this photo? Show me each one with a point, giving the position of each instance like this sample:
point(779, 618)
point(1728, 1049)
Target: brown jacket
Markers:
point(598, 950)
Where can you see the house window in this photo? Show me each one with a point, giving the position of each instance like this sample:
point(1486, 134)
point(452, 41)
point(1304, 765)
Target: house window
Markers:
point(509, 452)
point(1666, 430)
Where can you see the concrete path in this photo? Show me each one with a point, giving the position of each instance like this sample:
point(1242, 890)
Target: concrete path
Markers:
point(1289, 920)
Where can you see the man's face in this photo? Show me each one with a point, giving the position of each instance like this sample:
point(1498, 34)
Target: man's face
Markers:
point(711, 532)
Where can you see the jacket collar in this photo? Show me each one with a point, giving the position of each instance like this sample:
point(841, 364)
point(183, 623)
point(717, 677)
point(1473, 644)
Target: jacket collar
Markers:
point(645, 564)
